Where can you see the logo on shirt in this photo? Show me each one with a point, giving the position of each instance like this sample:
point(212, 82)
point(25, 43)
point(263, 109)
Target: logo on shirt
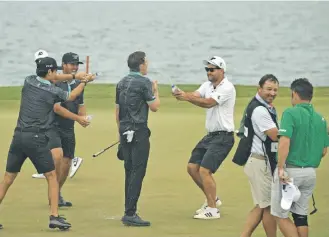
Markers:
point(282, 130)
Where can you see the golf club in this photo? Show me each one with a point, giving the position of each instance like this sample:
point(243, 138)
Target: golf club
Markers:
point(102, 151)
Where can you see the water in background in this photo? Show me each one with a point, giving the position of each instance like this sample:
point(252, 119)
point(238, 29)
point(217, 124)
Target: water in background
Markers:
point(288, 39)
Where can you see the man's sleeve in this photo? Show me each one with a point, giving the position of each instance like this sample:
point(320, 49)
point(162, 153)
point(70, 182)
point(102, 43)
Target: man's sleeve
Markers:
point(287, 124)
point(148, 92)
point(60, 93)
point(117, 94)
point(202, 90)
point(222, 95)
point(326, 135)
point(261, 119)
point(81, 98)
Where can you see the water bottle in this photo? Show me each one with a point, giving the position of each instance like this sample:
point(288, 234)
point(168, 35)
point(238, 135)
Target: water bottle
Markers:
point(174, 89)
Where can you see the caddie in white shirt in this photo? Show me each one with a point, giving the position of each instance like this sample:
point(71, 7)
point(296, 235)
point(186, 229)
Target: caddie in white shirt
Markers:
point(257, 149)
point(218, 96)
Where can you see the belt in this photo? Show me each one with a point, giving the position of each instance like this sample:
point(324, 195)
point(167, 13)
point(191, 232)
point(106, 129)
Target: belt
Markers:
point(30, 129)
point(220, 132)
point(295, 166)
point(257, 156)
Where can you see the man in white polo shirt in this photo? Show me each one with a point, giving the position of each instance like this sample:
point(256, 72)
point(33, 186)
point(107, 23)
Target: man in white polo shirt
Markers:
point(258, 147)
point(218, 96)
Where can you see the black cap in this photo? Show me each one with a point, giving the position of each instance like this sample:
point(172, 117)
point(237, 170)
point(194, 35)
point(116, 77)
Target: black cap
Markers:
point(46, 63)
point(71, 58)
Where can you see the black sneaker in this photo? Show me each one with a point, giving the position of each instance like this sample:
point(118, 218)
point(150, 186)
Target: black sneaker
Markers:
point(62, 202)
point(1, 226)
point(58, 222)
point(134, 220)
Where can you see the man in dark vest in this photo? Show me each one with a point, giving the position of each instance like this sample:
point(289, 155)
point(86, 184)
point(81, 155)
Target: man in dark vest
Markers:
point(257, 150)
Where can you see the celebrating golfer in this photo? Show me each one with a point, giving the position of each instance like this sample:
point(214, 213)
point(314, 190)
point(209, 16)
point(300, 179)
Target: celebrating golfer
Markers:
point(218, 96)
point(135, 95)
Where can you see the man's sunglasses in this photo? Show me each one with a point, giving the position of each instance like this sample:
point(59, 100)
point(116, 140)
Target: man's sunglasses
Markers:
point(211, 69)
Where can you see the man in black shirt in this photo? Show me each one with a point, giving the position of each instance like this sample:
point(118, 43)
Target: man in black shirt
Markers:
point(135, 95)
point(70, 64)
point(66, 114)
point(31, 138)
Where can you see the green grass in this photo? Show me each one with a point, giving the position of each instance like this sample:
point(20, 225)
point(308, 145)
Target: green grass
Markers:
point(169, 197)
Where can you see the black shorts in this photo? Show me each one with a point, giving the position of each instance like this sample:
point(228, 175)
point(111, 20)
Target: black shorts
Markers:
point(212, 150)
point(67, 137)
point(54, 138)
point(33, 145)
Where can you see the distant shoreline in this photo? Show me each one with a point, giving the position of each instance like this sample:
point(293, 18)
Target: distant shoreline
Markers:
point(105, 91)
point(182, 85)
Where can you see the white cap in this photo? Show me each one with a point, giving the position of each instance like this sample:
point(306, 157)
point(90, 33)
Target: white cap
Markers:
point(290, 194)
point(216, 61)
point(40, 54)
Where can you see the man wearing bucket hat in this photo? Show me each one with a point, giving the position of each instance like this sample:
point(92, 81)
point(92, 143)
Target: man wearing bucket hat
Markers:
point(302, 144)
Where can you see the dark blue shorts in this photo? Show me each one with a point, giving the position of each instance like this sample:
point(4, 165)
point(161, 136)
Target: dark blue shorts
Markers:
point(212, 150)
point(67, 137)
point(33, 145)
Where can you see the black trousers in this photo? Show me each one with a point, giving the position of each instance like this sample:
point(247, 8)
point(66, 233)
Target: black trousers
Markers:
point(135, 155)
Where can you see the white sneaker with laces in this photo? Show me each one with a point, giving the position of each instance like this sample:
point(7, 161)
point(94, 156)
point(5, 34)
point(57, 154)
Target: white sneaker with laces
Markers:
point(76, 163)
point(208, 214)
point(38, 176)
point(205, 205)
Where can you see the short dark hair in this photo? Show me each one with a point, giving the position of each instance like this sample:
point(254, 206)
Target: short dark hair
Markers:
point(303, 88)
point(42, 73)
point(135, 59)
point(267, 77)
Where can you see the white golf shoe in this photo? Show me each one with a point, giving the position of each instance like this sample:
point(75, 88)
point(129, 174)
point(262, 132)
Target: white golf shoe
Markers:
point(76, 163)
point(208, 213)
point(38, 176)
point(205, 205)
